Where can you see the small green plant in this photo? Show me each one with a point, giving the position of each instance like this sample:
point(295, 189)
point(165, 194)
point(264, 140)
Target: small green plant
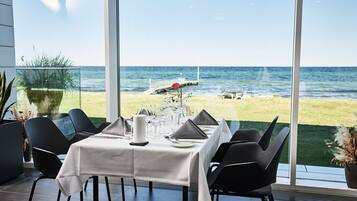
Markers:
point(5, 92)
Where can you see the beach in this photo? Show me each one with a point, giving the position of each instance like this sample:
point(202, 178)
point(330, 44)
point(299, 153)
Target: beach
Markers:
point(315, 82)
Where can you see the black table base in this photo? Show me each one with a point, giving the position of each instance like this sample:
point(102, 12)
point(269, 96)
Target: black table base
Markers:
point(184, 193)
point(96, 190)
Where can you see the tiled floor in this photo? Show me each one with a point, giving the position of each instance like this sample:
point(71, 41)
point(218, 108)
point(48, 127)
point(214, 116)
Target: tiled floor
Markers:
point(19, 189)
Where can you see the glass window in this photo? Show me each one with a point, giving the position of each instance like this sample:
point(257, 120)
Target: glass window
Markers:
point(75, 31)
point(234, 56)
point(328, 82)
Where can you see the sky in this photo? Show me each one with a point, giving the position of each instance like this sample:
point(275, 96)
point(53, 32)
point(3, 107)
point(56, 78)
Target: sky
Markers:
point(190, 32)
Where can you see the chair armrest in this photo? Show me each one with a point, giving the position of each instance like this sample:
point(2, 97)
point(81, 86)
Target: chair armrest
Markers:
point(222, 149)
point(237, 177)
point(210, 169)
point(251, 135)
point(242, 152)
point(46, 162)
point(77, 137)
point(103, 126)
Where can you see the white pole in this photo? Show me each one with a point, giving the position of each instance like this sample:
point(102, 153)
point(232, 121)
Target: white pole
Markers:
point(295, 92)
point(111, 22)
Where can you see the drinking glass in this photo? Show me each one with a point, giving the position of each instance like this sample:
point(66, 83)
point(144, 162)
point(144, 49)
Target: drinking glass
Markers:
point(128, 131)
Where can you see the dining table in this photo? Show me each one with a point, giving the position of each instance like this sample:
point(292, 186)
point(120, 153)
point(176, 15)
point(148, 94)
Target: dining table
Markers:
point(159, 161)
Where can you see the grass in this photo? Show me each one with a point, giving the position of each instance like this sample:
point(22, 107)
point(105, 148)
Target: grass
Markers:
point(318, 118)
point(326, 112)
point(311, 142)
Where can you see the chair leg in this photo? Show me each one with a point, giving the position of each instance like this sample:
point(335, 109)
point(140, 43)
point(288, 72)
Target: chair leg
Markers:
point(122, 189)
point(271, 197)
point(217, 197)
point(69, 198)
point(134, 182)
point(184, 193)
point(212, 194)
point(150, 186)
point(59, 195)
point(95, 188)
point(85, 186)
point(108, 190)
point(34, 186)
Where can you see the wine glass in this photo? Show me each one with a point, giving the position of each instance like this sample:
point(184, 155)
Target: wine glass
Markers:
point(128, 130)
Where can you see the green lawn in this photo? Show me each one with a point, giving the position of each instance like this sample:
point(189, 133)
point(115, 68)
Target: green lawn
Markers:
point(311, 142)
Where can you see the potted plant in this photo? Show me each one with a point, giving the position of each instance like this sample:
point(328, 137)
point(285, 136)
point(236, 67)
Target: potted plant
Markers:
point(44, 80)
point(344, 148)
point(10, 136)
point(29, 112)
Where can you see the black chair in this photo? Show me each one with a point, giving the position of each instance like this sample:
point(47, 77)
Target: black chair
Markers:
point(252, 135)
point(248, 170)
point(247, 135)
point(83, 124)
point(64, 124)
point(44, 134)
point(49, 165)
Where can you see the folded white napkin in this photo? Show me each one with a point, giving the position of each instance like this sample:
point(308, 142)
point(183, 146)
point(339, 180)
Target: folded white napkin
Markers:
point(117, 127)
point(189, 130)
point(204, 118)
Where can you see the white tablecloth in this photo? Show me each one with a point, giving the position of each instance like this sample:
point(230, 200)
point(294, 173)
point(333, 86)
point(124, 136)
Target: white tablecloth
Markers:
point(158, 161)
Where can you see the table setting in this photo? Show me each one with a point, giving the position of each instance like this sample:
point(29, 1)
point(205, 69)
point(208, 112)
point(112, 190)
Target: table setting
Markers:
point(174, 150)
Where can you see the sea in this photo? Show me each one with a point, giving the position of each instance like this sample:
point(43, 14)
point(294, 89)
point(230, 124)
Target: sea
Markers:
point(315, 82)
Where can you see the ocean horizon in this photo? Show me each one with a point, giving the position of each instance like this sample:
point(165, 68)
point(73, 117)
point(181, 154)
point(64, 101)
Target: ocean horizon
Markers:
point(316, 82)
point(228, 66)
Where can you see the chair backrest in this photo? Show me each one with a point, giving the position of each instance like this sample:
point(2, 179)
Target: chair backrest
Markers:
point(81, 121)
point(43, 133)
point(265, 139)
point(64, 124)
point(249, 135)
point(46, 162)
point(272, 155)
point(59, 116)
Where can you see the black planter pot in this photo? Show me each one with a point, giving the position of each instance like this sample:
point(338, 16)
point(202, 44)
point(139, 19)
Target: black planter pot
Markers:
point(351, 175)
point(11, 151)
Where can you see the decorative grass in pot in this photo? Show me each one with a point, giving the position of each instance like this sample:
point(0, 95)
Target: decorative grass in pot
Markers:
point(44, 80)
point(344, 149)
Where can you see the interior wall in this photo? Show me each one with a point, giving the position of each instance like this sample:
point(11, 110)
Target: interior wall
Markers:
point(7, 42)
